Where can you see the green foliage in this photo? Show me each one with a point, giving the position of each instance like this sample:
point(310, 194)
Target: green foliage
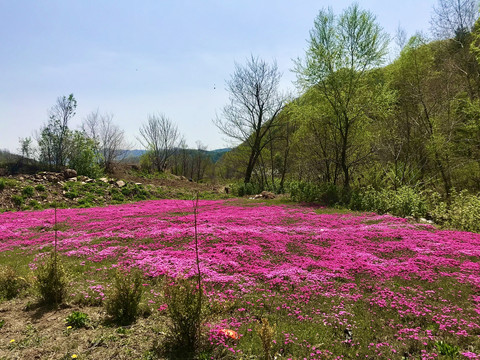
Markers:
point(403, 202)
point(303, 191)
point(77, 319)
point(185, 313)
point(447, 349)
point(17, 200)
point(71, 194)
point(242, 189)
point(28, 191)
point(123, 302)
point(40, 187)
point(462, 213)
point(117, 195)
point(10, 283)
point(82, 156)
point(51, 281)
point(2, 184)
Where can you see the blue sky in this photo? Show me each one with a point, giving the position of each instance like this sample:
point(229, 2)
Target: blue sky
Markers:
point(135, 58)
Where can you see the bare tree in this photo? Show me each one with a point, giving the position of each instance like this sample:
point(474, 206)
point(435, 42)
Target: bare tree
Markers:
point(255, 102)
point(453, 19)
point(109, 139)
point(160, 136)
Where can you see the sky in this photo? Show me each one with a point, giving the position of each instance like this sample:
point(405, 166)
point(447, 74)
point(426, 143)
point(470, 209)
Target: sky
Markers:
point(133, 59)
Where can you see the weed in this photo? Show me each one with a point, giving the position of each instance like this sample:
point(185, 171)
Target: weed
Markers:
point(123, 303)
point(77, 319)
point(2, 184)
point(71, 194)
point(447, 349)
point(266, 332)
point(10, 283)
point(28, 191)
point(40, 187)
point(17, 200)
point(2, 322)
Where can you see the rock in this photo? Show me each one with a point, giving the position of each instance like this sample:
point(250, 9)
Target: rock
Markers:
point(267, 195)
point(120, 183)
point(51, 178)
point(69, 173)
point(73, 179)
point(425, 221)
point(88, 181)
point(105, 180)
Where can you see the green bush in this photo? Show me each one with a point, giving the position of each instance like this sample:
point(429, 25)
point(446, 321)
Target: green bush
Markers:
point(17, 200)
point(51, 281)
point(303, 191)
point(243, 189)
point(71, 194)
point(405, 201)
point(10, 283)
point(123, 302)
point(77, 319)
point(463, 212)
point(182, 298)
point(2, 184)
point(28, 191)
point(40, 187)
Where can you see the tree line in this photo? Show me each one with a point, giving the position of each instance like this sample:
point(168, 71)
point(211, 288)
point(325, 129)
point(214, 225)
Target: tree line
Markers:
point(359, 121)
point(100, 144)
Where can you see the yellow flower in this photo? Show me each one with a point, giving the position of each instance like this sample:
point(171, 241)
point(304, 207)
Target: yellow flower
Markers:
point(74, 356)
point(69, 327)
point(12, 341)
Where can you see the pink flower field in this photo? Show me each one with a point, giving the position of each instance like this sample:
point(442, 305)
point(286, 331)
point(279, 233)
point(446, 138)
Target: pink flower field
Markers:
point(401, 289)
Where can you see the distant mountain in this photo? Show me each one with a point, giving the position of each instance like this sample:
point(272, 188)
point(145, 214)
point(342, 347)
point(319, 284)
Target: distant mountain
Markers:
point(215, 155)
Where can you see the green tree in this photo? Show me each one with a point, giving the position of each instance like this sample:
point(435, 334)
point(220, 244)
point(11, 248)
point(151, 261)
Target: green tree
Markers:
point(82, 156)
point(342, 51)
point(54, 137)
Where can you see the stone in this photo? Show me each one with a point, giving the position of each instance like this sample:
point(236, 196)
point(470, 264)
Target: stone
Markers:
point(105, 180)
point(69, 173)
point(120, 183)
point(267, 195)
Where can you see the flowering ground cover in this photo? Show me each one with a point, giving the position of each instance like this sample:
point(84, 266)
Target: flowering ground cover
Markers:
point(333, 286)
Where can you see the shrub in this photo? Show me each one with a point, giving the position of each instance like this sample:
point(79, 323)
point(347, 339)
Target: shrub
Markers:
point(40, 187)
point(182, 298)
point(123, 302)
point(462, 213)
point(405, 201)
point(28, 191)
point(243, 189)
point(17, 200)
point(77, 319)
point(71, 194)
point(2, 184)
point(326, 193)
point(51, 281)
point(10, 283)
